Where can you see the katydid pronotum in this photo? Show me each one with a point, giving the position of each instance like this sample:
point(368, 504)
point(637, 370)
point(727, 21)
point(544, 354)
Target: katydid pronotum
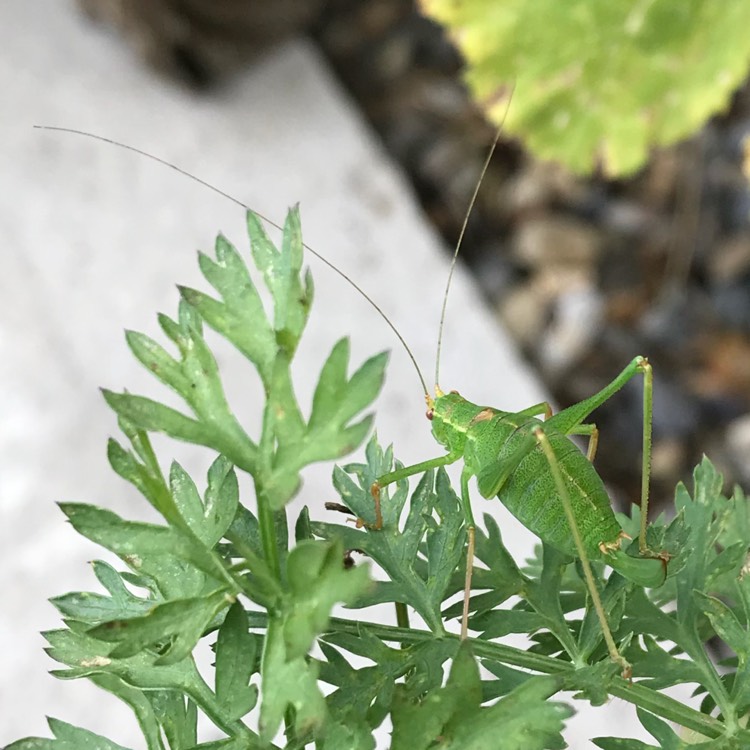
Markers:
point(531, 465)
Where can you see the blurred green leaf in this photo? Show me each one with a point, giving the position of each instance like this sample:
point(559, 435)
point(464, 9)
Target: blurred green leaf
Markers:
point(317, 580)
point(598, 83)
point(288, 682)
point(178, 717)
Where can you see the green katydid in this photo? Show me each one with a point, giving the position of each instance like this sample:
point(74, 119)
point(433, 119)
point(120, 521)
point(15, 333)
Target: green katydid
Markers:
point(531, 465)
point(538, 473)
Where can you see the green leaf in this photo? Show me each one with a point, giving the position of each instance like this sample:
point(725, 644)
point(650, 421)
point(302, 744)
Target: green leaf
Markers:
point(148, 482)
point(138, 702)
point(445, 539)
point(96, 608)
point(196, 378)
point(288, 681)
point(89, 657)
point(152, 416)
point(176, 626)
point(240, 316)
point(454, 717)
point(141, 545)
point(394, 549)
point(158, 361)
point(329, 433)
point(236, 654)
point(68, 737)
point(281, 270)
point(317, 580)
point(501, 578)
point(178, 717)
point(598, 83)
point(619, 743)
point(350, 732)
point(210, 518)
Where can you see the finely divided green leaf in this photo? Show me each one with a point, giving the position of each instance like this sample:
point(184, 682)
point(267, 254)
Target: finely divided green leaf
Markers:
point(236, 654)
point(317, 580)
point(239, 316)
point(281, 271)
point(68, 737)
point(176, 626)
point(453, 715)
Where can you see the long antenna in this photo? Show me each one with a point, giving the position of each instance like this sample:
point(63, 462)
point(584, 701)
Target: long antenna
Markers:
point(238, 202)
point(469, 211)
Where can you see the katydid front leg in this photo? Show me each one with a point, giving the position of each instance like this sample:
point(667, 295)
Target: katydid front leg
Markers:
point(408, 471)
point(395, 476)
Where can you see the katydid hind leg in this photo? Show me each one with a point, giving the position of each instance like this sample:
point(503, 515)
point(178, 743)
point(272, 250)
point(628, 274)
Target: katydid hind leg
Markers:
point(596, 600)
point(570, 421)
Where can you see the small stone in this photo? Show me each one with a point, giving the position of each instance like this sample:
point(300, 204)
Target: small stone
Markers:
point(524, 311)
point(541, 183)
point(668, 456)
point(558, 241)
point(730, 258)
point(738, 446)
point(576, 323)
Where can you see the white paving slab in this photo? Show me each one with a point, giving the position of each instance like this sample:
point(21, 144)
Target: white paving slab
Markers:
point(92, 240)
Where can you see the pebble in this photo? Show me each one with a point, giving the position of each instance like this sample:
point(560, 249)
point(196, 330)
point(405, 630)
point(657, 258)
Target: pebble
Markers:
point(551, 240)
point(738, 447)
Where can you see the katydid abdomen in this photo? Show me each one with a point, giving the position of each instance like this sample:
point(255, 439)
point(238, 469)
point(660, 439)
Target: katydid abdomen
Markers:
point(527, 488)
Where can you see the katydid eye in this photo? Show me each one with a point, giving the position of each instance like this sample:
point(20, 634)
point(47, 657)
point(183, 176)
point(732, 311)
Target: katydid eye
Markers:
point(430, 413)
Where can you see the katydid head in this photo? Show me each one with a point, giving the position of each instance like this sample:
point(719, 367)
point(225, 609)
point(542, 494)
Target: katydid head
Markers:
point(450, 414)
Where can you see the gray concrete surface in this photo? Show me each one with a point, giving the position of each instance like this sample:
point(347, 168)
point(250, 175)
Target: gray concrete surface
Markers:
point(92, 240)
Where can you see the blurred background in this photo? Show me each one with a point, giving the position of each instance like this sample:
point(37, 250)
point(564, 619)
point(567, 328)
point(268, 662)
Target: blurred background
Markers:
point(584, 272)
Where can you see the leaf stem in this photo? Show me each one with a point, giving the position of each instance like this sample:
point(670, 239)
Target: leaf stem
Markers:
point(402, 615)
point(267, 526)
point(637, 694)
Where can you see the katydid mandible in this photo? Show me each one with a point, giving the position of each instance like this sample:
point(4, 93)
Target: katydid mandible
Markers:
point(531, 465)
